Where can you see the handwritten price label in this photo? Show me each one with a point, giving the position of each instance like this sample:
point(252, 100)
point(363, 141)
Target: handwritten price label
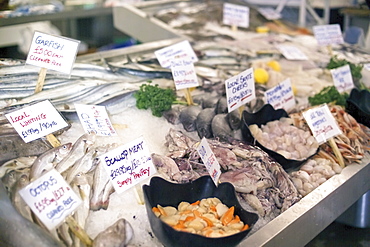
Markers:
point(328, 34)
point(209, 160)
point(281, 96)
point(183, 73)
point(342, 78)
point(129, 164)
point(236, 15)
point(50, 198)
point(240, 89)
point(322, 123)
point(52, 52)
point(95, 119)
point(35, 121)
point(181, 50)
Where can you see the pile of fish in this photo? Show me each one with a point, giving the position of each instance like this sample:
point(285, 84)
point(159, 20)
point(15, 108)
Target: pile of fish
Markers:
point(81, 167)
point(258, 179)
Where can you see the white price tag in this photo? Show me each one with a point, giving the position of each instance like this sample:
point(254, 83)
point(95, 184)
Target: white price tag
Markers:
point(35, 121)
point(342, 78)
point(129, 164)
point(328, 34)
point(236, 15)
point(184, 74)
point(52, 52)
point(94, 119)
point(51, 198)
point(281, 96)
point(322, 123)
point(292, 52)
point(181, 50)
point(209, 160)
point(240, 89)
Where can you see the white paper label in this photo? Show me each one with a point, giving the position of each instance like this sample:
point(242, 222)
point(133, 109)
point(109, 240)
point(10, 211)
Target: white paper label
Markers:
point(322, 123)
point(184, 74)
point(129, 164)
point(209, 160)
point(181, 50)
point(35, 121)
point(281, 96)
point(269, 13)
point(236, 15)
point(51, 198)
point(292, 52)
point(94, 119)
point(328, 34)
point(240, 89)
point(367, 66)
point(342, 78)
point(52, 52)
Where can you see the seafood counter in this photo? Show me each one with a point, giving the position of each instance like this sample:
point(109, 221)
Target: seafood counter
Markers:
point(289, 181)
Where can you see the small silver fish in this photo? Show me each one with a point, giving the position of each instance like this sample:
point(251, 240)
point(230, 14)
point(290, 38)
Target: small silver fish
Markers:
point(45, 161)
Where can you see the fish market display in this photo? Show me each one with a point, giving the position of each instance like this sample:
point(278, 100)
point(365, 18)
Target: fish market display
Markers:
point(262, 185)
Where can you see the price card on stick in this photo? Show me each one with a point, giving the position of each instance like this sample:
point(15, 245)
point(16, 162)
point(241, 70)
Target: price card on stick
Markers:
point(37, 120)
point(209, 160)
point(328, 34)
point(240, 89)
point(95, 119)
point(291, 52)
point(235, 15)
point(51, 198)
point(342, 78)
point(322, 123)
point(52, 52)
point(184, 74)
point(181, 50)
point(129, 164)
point(281, 96)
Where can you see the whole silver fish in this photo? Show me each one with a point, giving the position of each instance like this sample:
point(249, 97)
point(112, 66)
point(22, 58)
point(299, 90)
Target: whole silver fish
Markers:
point(79, 148)
point(45, 161)
point(84, 164)
point(100, 179)
point(16, 231)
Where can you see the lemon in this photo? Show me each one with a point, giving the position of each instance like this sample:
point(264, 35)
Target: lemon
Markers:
point(273, 64)
point(294, 89)
point(261, 76)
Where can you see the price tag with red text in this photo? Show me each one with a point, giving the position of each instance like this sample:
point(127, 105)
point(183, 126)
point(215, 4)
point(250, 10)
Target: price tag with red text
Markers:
point(37, 120)
point(322, 123)
point(51, 198)
point(52, 52)
point(209, 160)
point(184, 74)
point(129, 164)
point(281, 96)
point(240, 89)
point(181, 50)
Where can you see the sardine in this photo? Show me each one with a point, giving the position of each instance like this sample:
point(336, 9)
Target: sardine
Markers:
point(45, 161)
point(79, 148)
point(204, 122)
point(117, 235)
point(188, 115)
point(16, 231)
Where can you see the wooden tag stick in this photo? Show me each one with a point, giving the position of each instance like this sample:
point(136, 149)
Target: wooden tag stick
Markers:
point(188, 97)
point(234, 28)
point(336, 152)
point(330, 50)
point(40, 80)
point(241, 109)
point(40, 84)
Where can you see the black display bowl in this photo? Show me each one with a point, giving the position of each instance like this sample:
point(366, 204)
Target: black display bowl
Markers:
point(267, 114)
point(165, 193)
point(358, 106)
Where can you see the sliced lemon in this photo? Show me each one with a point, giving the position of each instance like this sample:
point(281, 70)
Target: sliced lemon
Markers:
point(261, 75)
point(275, 65)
